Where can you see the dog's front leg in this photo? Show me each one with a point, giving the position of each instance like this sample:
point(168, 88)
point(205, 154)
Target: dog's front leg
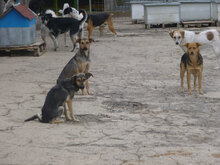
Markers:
point(69, 103)
point(200, 82)
point(54, 41)
point(65, 112)
point(182, 72)
point(188, 82)
point(73, 39)
point(87, 87)
point(195, 77)
point(216, 48)
point(65, 40)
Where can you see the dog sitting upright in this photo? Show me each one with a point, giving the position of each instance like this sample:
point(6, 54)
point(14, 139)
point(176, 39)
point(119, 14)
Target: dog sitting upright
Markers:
point(208, 37)
point(80, 63)
point(192, 61)
point(100, 20)
point(63, 92)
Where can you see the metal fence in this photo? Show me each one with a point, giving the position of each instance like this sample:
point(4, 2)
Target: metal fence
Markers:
point(120, 8)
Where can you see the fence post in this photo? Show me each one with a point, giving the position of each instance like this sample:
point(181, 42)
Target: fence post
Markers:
point(77, 7)
point(90, 6)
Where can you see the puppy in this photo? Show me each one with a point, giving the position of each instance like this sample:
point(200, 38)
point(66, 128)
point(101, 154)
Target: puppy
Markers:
point(100, 20)
point(192, 61)
point(56, 98)
point(80, 63)
point(208, 37)
point(58, 26)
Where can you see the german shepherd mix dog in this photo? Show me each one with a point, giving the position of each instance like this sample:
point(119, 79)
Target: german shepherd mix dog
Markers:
point(56, 98)
point(100, 20)
point(192, 62)
point(80, 63)
point(62, 25)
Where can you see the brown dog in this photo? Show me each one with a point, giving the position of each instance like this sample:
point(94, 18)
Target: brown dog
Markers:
point(100, 20)
point(192, 61)
point(80, 63)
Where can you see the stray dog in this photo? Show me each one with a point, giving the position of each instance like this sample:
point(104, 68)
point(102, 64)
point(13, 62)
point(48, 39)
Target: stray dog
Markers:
point(100, 20)
point(192, 61)
point(80, 63)
point(44, 30)
point(71, 12)
point(56, 98)
point(208, 37)
point(58, 26)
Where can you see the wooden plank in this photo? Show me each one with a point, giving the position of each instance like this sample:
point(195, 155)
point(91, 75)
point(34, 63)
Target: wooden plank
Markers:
point(35, 49)
point(197, 22)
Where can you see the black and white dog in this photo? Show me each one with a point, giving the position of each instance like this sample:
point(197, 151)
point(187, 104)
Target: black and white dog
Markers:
point(62, 25)
point(71, 12)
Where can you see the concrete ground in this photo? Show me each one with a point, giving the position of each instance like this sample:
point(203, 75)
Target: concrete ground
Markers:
point(136, 115)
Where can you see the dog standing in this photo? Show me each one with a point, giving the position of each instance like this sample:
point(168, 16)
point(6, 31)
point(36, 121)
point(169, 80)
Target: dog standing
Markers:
point(208, 37)
point(56, 98)
point(71, 12)
point(58, 26)
point(44, 31)
point(80, 63)
point(100, 20)
point(192, 61)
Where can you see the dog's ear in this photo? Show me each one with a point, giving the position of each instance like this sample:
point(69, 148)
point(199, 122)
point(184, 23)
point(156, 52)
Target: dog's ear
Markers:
point(73, 78)
point(182, 33)
point(186, 45)
point(78, 40)
point(88, 75)
point(198, 44)
point(91, 40)
point(171, 33)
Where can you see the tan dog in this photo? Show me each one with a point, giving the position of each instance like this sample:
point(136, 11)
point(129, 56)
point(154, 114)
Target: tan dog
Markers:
point(209, 37)
point(80, 63)
point(192, 61)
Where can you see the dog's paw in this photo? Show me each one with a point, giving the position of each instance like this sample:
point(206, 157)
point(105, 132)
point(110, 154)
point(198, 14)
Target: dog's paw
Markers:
point(189, 92)
point(182, 90)
point(76, 120)
point(201, 92)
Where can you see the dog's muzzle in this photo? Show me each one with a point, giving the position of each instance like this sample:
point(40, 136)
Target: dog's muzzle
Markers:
point(81, 87)
point(191, 53)
point(177, 43)
point(85, 48)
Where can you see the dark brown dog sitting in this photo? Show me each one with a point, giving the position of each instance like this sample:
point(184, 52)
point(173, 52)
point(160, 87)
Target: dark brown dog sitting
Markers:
point(56, 98)
point(192, 61)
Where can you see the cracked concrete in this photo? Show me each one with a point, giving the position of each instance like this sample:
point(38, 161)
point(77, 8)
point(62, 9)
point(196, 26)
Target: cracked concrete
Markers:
point(136, 115)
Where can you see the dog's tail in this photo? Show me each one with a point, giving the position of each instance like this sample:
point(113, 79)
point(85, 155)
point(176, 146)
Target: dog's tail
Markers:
point(37, 116)
point(85, 16)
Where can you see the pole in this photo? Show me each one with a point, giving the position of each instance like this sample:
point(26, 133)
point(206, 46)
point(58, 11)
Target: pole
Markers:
point(77, 1)
point(90, 6)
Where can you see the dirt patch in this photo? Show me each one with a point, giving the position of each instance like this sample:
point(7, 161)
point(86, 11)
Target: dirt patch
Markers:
point(121, 106)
